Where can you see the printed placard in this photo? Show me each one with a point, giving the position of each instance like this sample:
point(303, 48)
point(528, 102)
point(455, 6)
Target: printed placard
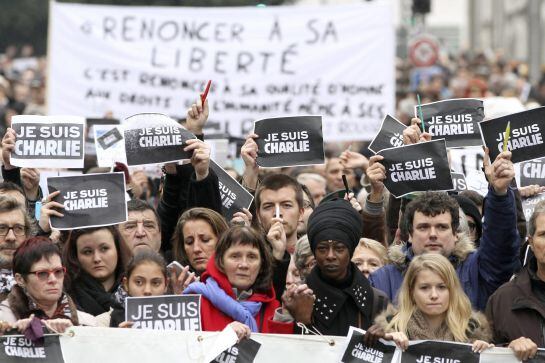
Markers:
point(526, 138)
point(435, 351)
point(390, 135)
point(454, 120)
point(529, 204)
point(234, 196)
point(357, 352)
point(243, 352)
point(91, 123)
point(18, 349)
point(459, 181)
point(89, 200)
point(289, 141)
point(109, 145)
point(417, 168)
point(47, 141)
point(532, 172)
point(153, 138)
point(538, 358)
point(166, 312)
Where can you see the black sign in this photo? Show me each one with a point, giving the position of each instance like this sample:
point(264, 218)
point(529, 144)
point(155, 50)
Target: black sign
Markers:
point(539, 357)
point(153, 138)
point(234, 196)
point(167, 312)
point(455, 120)
point(526, 137)
point(109, 138)
point(390, 135)
point(529, 204)
point(43, 141)
point(89, 200)
point(417, 168)
point(459, 181)
point(243, 352)
point(532, 172)
point(18, 349)
point(356, 352)
point(90, 137)
point(434, 351)
point(290, 141)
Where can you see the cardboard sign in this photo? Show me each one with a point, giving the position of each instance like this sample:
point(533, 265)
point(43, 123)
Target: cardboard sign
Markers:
point(529, 204)
point(435, 351)
point(90, 200)
point(243, 352)
point(289, 141)
point(109, 145)
point(417, 168)
point(455, 120)
point(532, 172)
point(526, 139)
point(234, 196)
point(153, 138)
point(18, 349)
point(46, 141)
point(90, 148)
point(166, 312)
point(390, 135)
point(459, 181)
point(357, 352)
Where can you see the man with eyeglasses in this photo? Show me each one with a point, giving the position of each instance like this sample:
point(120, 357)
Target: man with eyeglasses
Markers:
point(14, 229)
point(142, 229)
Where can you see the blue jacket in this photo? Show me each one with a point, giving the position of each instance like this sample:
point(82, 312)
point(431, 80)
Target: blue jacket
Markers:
point(481, 271)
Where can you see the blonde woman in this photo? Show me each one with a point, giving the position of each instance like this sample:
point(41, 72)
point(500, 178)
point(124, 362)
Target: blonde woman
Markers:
point(369, 256)
point(433, 306)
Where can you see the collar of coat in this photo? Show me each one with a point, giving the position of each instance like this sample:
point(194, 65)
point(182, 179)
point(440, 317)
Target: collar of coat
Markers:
point(330, 300)
point(526, 299)
point(401, 254)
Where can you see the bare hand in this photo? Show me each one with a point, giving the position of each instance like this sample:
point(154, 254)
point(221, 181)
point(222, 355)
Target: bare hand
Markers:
point(126, 324)
point(180, 283)
point(58, 325)
point(243, 218)
point(500, 173)
point(8, 145)
point(50, 208)
point(22, 324)
point(480, 346)
point(197, 115)
point(353, 160)
point(299, 301)
point(376, 173)
point(242, 330)
point(531, 190)
point(413, 134)
point(200, 158)
point(30, 178)
point(399, 338)
point(524, 348)
point(353, 201)
point(372, 335)
point(277, 238)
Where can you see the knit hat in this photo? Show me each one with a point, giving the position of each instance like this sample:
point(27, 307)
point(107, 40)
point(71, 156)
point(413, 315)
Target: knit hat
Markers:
point(470, 208)
point(335, 220)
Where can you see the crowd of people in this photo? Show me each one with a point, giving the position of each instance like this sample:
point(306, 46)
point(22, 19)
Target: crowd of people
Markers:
point(430, 266)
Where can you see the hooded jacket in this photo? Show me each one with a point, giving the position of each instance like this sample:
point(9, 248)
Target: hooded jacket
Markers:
point(482, 270)
point(213, 319)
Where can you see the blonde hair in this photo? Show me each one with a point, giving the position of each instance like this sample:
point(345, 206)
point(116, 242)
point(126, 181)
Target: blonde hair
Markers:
point(459, 308)
point(375, 246)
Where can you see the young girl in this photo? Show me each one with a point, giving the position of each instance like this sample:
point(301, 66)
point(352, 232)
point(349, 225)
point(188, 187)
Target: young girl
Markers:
point(433, 306)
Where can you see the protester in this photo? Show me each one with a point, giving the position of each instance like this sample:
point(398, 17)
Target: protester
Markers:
point(369, 256)
point(303, 257)
point(10, 189)
point(142, 229)
point(39, 274)
point(308, 207)
point(517, 309)
point(237, 286)
point(473, 217)
point(334, 170)
point(315, 183)
point(433, 306)
point(96, 260)
point(344, 296)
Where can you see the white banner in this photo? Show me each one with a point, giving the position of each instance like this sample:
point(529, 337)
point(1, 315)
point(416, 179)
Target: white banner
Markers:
point(334, 61)
point(134, 345)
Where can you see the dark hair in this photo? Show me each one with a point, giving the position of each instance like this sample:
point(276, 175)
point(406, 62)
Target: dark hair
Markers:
point(138, 205)
point(31, 251)
point(213, 218)
point(431, 204)
point(9, 204)
point(276, 182)
point(247, 236)
point(473, 196)
point(7, 186)
point(146, 256)
point(70, 253)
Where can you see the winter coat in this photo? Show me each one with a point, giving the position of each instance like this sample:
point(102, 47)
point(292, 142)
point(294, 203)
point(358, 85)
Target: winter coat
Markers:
point(336, 309)
point(213, 319)
point(514, 311)
point(478, 327)
point(481, 271)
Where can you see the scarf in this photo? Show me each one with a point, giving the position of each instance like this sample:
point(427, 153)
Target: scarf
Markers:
point(63, 310)
point(7, 281)
point(241, 311)
point(418, 329)
point(90, 296)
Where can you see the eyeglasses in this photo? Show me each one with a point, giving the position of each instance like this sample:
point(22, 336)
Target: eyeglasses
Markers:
point(306, 204)
point(18, 230)
point(43, 275)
